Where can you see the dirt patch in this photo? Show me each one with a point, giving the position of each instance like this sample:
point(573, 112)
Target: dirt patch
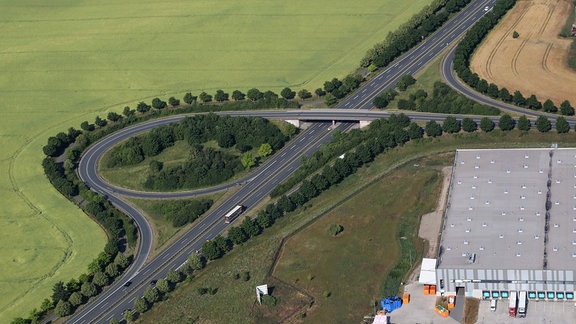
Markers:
point(431, 222)
point(536, 61)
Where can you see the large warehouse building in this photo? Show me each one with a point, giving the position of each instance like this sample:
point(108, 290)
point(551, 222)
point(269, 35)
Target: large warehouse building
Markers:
point(510, 224)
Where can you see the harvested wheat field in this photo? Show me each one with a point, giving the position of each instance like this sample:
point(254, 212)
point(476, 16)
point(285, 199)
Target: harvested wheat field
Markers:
point(536, 61)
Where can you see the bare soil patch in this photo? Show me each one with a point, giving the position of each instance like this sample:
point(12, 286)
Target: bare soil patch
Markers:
point(536, 61)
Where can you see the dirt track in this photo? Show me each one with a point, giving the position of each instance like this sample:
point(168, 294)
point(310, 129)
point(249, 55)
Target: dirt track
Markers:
point(535, 62)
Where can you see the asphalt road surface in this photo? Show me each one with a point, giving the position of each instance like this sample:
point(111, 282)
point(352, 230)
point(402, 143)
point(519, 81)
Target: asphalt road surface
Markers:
point(117, 298)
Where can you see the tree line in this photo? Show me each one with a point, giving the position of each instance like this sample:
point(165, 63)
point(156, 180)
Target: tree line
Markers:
point(466, 48)
point(411, 33)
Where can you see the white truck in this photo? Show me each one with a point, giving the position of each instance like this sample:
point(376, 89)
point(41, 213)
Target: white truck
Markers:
point(522, 304)
point(512, 302)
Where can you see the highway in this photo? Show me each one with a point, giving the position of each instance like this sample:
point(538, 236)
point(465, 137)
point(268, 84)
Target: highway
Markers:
point(118, 298)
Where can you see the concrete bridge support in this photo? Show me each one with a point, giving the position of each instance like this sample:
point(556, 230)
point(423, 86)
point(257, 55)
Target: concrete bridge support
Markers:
point(364, 123)
point(294, 122)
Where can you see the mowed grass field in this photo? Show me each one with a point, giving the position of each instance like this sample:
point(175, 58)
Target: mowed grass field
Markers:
point(353, 265)
point(64, 61)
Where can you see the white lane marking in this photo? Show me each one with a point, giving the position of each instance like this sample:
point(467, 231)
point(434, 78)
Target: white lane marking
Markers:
point(283, 154)
point(355, 97)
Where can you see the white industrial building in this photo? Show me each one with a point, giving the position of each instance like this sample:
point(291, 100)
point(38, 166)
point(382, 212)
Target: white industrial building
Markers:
point(510, 224)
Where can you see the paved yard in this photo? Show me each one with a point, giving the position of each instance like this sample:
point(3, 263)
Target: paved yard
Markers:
point(420, 310)
point(537, 313)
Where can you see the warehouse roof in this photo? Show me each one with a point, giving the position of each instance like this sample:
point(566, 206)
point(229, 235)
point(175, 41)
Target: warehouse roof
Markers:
point(496, 215)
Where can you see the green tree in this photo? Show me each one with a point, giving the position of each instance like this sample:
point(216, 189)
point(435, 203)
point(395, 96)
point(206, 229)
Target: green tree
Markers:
point(518, 99)
point(515, 34)
point(304, 94)
point(173, 101)
point(287, 205)
point(163, 286)
point(76, 299)
point(189, 98)
point(549, 106)
point(113, 320)
point(335, 229)
point(451, 125)
point(380, 102)
point(196, 261)
point(211, 250)
point(265, 150)
point(204, 97)
point(486, 124)
point(523, 123)
point(506, 123)
point(330, 100)
point(254, 94)
point(543, 125)
point(469, 125)
point(140, 305)
point(121, 260)
point(142, 107)
point(533, 103)
point(406, 81)
point(505, 95)
point(59, 292)
point(566, 109)
point(237, 235)
point(112, 116)
point(264, 220)
point(86, 126)
point(88, 289)
point(63, 308)
point(128, 316)
point(112, 270)
point(319, 92)
point(221, 96)
point(493, 90)
point(151, 295)
point(100, 122)
point(237, 95)
point(287, 93)
point(158, 104)
point(562, 125)
point(223, 243)
point(173, 276)
point(415, 131)
point(128, 112)
point(248, 160)
point(100, 279)
point(432, 129)
point(250, 227)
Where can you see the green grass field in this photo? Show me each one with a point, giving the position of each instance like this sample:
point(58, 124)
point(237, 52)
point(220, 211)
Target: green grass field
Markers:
point(353, 265)
point(66, 61)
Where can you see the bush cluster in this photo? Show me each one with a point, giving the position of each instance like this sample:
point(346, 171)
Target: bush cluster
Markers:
point(445, 100)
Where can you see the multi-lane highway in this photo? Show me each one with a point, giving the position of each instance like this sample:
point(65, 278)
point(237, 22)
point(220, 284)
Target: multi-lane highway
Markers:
point(118, 298)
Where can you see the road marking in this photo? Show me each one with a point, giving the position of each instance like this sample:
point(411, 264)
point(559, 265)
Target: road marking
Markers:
point(364, 90)
point(283, 154)
point(355, 97)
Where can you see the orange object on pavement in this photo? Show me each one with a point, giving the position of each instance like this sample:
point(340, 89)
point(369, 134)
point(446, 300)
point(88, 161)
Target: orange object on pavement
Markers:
point(406, 299)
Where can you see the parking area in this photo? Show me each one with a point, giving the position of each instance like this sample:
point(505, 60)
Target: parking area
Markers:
point(419, 310)
point(539, 312)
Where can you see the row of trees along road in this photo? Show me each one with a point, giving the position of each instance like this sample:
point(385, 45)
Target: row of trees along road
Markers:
point(466, 48)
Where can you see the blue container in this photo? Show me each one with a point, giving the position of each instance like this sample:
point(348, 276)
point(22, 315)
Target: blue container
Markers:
point(391, 303)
